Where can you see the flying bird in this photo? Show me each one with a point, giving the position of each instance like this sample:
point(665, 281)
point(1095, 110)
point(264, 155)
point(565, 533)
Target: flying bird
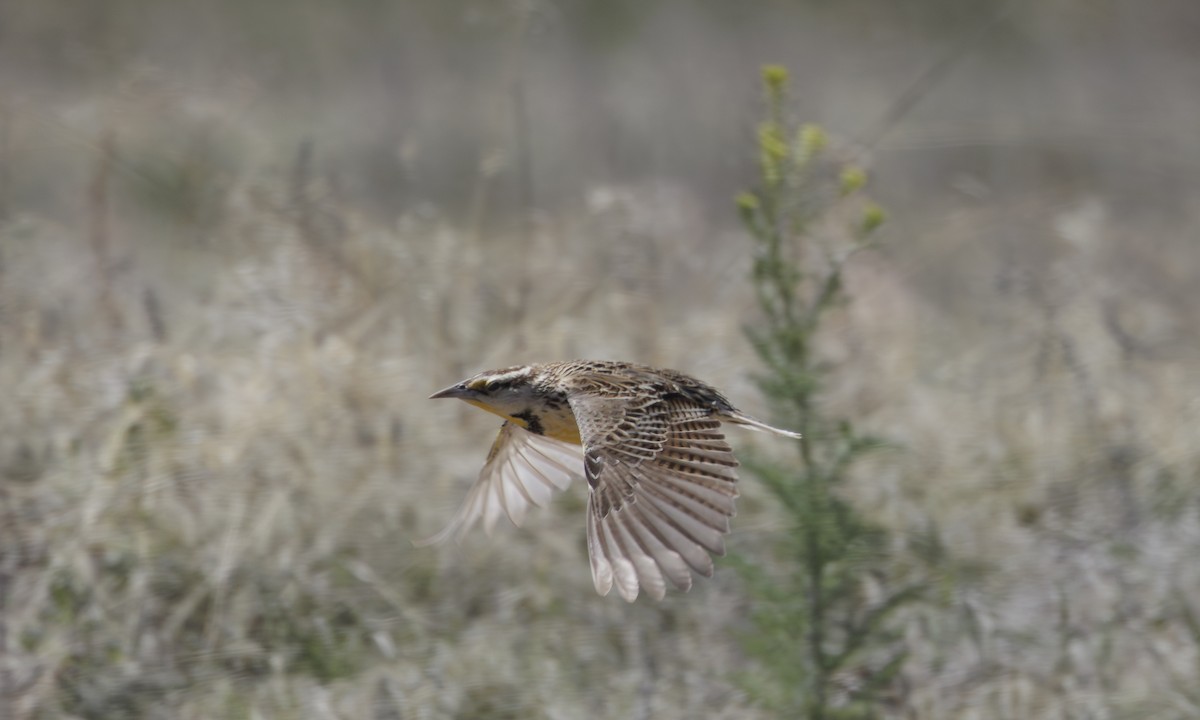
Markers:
point(661, 477)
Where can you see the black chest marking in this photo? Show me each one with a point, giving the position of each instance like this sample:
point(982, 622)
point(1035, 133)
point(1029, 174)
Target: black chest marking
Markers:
point(533, 423)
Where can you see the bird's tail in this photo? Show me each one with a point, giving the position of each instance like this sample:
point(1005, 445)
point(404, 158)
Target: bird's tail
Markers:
point(738, 418)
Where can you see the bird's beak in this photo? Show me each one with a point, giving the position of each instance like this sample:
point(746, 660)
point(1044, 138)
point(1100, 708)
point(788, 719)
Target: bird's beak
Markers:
point(454, 391)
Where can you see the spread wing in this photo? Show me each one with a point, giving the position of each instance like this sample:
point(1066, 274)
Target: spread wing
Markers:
point(662, 487)
point(522, 469)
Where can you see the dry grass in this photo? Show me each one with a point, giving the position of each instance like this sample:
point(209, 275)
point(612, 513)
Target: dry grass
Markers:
point(213, 518)
point(215, 445)
point(216, 522)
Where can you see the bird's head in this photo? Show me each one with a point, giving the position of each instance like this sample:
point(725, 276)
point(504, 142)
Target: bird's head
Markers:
point(503, 392)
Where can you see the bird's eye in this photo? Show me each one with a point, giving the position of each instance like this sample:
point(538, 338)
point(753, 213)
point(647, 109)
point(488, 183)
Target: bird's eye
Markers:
point(478, 384)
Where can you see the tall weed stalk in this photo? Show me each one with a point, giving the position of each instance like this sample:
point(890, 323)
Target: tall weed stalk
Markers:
point(821, 634)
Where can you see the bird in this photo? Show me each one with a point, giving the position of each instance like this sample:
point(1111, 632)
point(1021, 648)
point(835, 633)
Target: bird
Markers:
point(661, 477)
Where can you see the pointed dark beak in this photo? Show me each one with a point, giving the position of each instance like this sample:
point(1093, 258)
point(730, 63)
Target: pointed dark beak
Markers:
point(454, 391)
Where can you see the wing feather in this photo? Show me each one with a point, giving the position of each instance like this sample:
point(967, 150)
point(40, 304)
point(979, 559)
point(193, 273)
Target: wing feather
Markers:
point(624, 572)
point(662, 482)
point(602, 570)
point(698, 531)
point(692, 551)
point(649, 576)
point(522, 469)
point(670, 562)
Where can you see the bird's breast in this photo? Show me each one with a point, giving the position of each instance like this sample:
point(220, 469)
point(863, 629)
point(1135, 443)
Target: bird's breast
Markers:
point(553, 422)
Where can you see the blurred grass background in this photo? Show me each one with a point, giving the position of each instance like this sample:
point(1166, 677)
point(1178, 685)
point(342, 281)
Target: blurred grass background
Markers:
point(240, 243)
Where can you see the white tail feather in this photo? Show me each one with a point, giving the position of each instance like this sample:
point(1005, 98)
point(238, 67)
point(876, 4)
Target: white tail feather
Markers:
point(747, 421)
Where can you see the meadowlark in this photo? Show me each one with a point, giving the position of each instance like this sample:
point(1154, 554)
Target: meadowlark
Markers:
point(660, 475)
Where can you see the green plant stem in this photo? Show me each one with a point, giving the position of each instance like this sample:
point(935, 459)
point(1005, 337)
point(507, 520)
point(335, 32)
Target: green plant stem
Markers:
point(820, 605)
